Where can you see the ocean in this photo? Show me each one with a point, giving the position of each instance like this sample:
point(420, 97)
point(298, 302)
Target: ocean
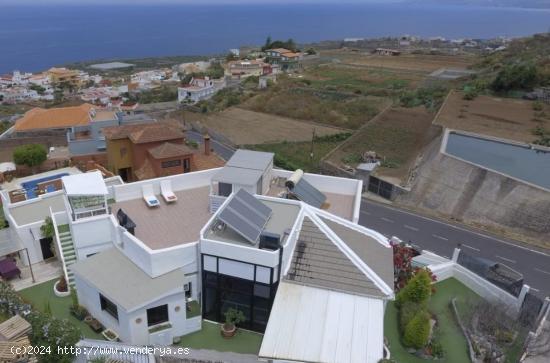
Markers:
point(35, 38)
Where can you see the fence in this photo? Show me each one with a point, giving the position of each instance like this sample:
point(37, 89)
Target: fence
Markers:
point(496, 273)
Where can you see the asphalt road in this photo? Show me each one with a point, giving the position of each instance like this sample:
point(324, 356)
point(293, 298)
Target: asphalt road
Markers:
point(442, 237)
point(221, 149)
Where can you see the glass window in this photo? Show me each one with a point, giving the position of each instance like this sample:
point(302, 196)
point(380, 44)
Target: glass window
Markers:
point(225, 189)
point(157, 315)
point(108, 306)
point(170, 163)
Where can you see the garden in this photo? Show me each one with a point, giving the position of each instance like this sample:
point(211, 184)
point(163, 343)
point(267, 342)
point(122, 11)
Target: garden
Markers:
point(441, 320)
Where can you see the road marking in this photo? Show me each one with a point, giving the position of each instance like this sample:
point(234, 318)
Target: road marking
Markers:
point(440, 237)
point(411, 228)
point(367, 213)
point(532, 288)
point(447, 257)
point(455, 227)
point(470, 247)
point(386, 219)
point(544, 272)
point(505, 259)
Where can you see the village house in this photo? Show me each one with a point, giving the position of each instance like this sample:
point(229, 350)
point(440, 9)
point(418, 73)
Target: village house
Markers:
point(59, 76)
point(286, 59)
point(242, 69)
point(200, 88)
point(139, 152)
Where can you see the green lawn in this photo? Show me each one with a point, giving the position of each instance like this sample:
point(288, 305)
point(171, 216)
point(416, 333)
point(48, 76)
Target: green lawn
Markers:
point(209, 337)
point(449, 333)
point(296, 155)
point(40, 294)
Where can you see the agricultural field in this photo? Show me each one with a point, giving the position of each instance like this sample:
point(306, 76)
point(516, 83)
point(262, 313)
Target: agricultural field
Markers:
point(245, 127)
point(303, 155)
point(499, 117)
point(397, 135)
point(423, 63)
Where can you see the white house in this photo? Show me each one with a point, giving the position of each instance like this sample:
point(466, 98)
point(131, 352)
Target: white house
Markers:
point(200, 89)
point(151, 259)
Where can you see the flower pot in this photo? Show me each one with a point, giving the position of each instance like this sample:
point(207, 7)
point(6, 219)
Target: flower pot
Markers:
point(228, 330)
point(60, 293)
point(88, 319)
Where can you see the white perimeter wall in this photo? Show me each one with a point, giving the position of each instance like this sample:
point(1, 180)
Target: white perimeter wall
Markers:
point(477, 284)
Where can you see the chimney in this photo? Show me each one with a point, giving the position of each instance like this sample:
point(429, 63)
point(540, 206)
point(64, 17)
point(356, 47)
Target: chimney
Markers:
point(206, 144)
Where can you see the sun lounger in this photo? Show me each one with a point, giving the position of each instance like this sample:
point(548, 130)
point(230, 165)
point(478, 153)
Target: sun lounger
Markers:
point(149, 196)
point(166, 191)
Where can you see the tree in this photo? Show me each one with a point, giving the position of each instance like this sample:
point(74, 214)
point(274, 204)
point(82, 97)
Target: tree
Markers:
point(267, 44)
point(291, 45)
point(31, 155)
point(51, 333)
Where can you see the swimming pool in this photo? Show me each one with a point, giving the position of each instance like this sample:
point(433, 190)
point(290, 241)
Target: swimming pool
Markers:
point(30, 186)
point(516, 160)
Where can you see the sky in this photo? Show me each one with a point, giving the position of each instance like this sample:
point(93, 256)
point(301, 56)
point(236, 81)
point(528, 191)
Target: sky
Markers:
point(197, 2)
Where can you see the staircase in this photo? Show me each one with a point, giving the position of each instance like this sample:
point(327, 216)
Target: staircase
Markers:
point(68, 251)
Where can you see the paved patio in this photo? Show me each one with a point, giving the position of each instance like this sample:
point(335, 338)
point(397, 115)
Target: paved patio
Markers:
point(169, 224)
point(43, 271)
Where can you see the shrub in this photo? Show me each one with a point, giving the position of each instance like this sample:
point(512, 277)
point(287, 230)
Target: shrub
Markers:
point(417, 331)
point(537, 106)
point(47, 229)
point(418, 289)
point(30, 155)
point(407, 312)
point(470, 94)
point(516, 77)
point(79, 312)
point(234, 316)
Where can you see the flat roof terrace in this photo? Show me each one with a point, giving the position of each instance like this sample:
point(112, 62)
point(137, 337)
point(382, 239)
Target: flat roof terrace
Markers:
point(171, 224)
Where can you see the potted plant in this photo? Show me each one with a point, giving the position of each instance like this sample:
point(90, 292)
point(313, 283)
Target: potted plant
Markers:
point(232, 318)
point(60, 287)
point(110, 335)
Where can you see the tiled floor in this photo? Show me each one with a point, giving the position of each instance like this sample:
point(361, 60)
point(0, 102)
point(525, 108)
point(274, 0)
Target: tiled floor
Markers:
point(169, 224)
point(43, 271)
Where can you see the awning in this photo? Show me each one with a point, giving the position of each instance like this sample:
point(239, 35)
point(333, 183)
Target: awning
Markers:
point(9, 242)
point(91, 183)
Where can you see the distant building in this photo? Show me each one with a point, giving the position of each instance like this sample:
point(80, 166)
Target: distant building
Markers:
point(18, 94)
point(200, 89)
point(41, 121)
point(286, 59)
point(139, 152)
point(235, 51)
point(64, 76)
point(111, 66)
point(193, 67)
point(245, 68)
point(386, 51)
point(87, 141)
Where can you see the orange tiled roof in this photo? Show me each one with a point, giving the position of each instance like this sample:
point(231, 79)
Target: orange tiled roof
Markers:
point(54, 118)
point(170, 150)
point(143, 133)
point(204, 162)
point(280, 50)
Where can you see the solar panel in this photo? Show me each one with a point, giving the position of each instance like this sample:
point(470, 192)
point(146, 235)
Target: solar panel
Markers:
point(309, 194)
point(245, 215)
point(249, 199)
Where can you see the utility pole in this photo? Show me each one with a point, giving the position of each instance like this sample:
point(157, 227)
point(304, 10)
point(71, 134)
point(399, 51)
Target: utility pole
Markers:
point(311, 151)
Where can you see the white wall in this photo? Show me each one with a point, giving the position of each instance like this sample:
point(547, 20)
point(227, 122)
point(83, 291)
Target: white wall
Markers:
point(475, 283)
point(127, 327)
point(240, 253)
point(179, 182)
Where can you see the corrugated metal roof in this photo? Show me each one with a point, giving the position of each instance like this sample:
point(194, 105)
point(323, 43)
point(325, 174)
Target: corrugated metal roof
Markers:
point(309, 324)
point(317, 261)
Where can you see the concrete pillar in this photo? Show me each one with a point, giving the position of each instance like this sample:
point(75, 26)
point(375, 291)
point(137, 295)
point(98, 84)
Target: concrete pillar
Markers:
point(524, 290)
point(456, 252)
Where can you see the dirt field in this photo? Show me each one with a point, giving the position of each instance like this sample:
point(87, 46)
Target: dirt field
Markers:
point(245, 127)
point(412, 62)
point(500, 117)
point(397, 135)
